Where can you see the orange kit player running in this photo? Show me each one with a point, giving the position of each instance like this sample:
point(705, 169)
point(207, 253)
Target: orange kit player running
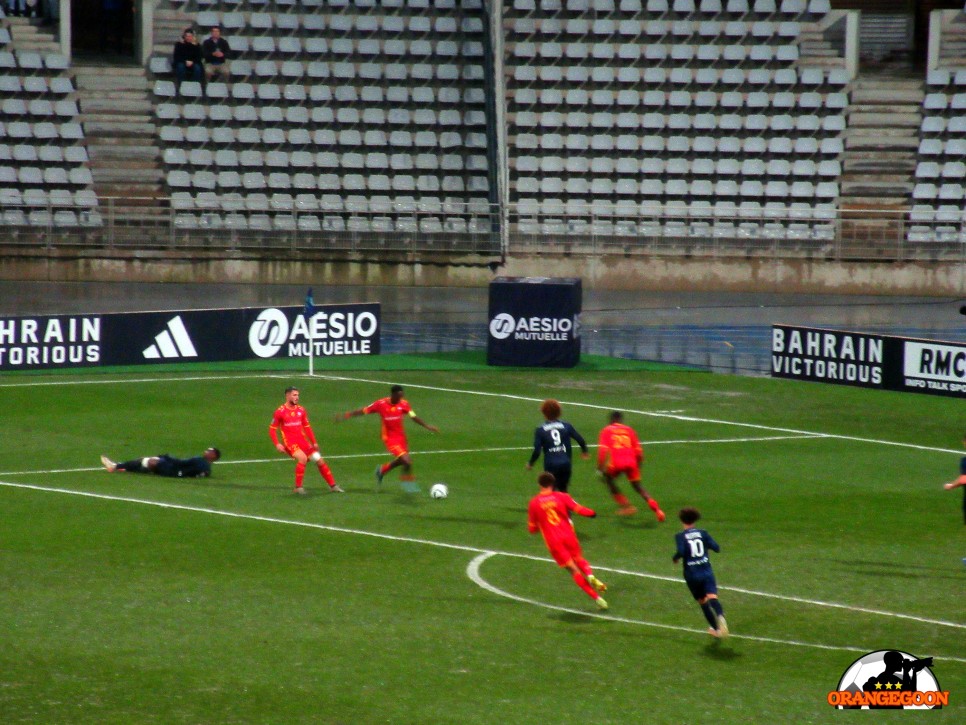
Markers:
point(293, 436)
point(619, 451)
point(393, 410)
point(549, 513)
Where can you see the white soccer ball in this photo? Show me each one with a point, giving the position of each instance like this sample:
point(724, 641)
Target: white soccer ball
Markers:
point(439, 490)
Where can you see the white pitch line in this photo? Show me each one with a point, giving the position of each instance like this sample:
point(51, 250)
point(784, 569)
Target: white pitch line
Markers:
point(656, 414)
point(426, 542)
point(799, 600)
point(473, 572)
point(650, 413)
point(382, 454)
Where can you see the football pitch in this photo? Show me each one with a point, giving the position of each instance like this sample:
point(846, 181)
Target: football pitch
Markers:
point(138, 599)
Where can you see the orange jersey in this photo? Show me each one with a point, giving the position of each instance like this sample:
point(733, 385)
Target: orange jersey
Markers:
point(290, 427)
point(549, 513)
point(392, 419)
point(618, 447)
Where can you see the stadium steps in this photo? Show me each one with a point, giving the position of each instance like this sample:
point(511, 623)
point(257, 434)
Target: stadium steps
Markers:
point(881, 140)
point(815, 50)
point(952, 46)
point(116, 109)
point(27, 34)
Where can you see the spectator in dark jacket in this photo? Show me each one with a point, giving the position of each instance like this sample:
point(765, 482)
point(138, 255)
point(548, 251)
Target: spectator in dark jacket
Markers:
point(187, 61)
point(216, 52)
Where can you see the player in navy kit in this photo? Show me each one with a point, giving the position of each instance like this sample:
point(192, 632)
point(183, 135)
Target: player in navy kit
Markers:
point(692, 547)
point(961, 481)
point(169, 466)
point(554, 439)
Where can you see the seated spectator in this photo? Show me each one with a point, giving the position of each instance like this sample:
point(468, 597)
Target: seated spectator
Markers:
point(216, 52)
point(187, 61)
point(18, 8)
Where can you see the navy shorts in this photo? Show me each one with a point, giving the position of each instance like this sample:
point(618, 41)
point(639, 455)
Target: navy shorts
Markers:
point(701, 585)
point(561, 475)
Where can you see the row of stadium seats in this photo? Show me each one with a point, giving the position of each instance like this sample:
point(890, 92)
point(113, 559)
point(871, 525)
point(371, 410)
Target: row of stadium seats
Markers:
point(234, 180)
point(392, 96)
point(661, 79)
point(327, 6)
point(680, 8)
point(234, 23)
point(29, 60)
point(308, 222)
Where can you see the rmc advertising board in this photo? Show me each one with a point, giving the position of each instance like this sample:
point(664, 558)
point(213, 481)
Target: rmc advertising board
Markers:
point(868, 360)
point(145, 338)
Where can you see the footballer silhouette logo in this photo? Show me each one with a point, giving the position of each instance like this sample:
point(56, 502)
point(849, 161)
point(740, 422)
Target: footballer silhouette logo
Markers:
point(889, 680)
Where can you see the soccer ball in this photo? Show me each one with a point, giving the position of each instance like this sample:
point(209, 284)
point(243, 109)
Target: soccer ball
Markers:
point(438, 490)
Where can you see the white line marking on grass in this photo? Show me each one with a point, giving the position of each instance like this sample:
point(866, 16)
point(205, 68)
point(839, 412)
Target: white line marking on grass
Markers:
point(473, 572)
point(654, 414)
point(472, 549)
point(799, 600)
point(382, 454)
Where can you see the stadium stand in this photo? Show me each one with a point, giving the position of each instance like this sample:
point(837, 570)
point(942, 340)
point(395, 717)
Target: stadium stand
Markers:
point(940, 179)
point(350, 117)
point(699, 111)
point(45, 179)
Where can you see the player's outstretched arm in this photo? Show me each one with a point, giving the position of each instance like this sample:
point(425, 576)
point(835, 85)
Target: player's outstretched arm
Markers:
point(339, 417)
point(424, 424)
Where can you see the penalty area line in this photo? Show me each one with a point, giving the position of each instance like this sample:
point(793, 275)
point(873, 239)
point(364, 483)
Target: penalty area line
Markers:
point(473, 572)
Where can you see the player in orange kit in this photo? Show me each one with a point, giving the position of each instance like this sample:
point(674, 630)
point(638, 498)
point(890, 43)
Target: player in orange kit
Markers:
point(549, 513)
point(292, 435)
point(619, 451)
point(393, 410)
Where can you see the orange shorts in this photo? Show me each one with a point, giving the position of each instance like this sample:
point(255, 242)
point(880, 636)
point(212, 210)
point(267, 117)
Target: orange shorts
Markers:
point(564, 551)
point(633, 472)
point(396, 446)
point(303, 446)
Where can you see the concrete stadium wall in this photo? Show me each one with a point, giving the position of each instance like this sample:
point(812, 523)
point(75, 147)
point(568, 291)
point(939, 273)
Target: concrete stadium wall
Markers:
point(615, 272)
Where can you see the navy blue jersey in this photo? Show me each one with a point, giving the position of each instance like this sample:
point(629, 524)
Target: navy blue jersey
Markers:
point(692, 547)
point(553, 438)
point(197, 467)
point(962, 466)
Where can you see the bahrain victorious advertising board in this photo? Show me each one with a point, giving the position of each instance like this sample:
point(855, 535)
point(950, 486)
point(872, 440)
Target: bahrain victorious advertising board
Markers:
point(868, 360)
point(145, 338)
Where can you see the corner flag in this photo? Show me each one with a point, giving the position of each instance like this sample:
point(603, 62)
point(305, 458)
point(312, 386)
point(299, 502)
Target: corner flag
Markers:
point(309, 312)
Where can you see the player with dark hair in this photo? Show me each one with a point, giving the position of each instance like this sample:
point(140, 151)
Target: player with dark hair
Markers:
point(549, 513)
point(292, 435)
point(393, 410)
point(692, 547)
point(553, 438)
point(961, 481)
point(619, 452)
point(165, 465)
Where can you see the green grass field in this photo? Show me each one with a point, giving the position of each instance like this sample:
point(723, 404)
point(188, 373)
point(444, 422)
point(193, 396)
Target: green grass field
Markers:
point(138, 599)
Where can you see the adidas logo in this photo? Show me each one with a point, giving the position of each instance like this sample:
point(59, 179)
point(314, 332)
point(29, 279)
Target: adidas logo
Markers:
point(172, 342)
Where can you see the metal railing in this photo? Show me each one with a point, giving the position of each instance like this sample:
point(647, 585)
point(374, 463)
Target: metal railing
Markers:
point(234, 224)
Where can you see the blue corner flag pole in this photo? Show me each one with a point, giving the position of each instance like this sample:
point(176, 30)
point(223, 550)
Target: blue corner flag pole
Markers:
point(309, 313)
